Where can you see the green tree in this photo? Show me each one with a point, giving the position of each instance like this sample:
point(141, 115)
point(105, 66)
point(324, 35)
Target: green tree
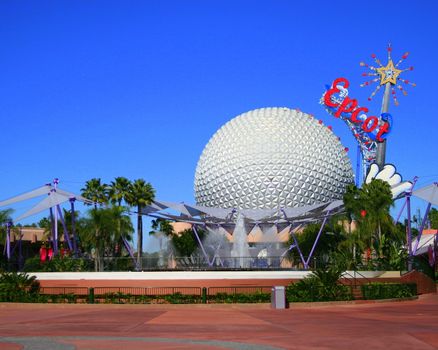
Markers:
point(103, 230)
point(118, 190)
point(18, 287)
point(331, 236)
point(95, 191)
point(185, 242)
point(433, 218)
point(376, 199)
point(5, 217)
point(162, 225)
point(351, 204)
point(369, 208)
point(353, 212)
point(140, 194)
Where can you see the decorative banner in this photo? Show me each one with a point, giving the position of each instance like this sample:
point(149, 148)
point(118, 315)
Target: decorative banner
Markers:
point(368, 130)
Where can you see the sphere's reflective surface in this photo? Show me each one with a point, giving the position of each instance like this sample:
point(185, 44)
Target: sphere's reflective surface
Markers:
point(270, 158)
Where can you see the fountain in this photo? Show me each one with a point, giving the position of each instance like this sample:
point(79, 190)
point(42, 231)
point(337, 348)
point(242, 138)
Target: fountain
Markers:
point(240, 249)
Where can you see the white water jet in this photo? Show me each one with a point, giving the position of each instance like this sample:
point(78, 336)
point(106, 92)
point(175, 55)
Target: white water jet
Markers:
point(270, 233)
point(215, 242)
point(240, 250)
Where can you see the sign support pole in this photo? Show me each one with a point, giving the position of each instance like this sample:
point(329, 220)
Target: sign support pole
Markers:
point(381, 146)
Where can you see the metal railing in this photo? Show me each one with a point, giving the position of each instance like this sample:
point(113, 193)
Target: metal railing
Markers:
point(198, 263)
point(64, 290)
point(64, 294)
point(238, 290)
point(156, 295)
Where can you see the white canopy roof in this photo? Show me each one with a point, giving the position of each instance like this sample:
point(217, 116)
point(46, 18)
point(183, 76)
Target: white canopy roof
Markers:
point(54, 197)
point(52, 200)
point(423, 245)
point(223, 216)
point(428, 193)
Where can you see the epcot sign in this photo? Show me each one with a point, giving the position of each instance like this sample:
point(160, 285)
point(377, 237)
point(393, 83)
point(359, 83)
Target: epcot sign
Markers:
point(348, 108)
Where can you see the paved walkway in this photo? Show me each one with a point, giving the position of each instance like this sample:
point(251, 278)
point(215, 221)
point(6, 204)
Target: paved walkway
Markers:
point(388, 325)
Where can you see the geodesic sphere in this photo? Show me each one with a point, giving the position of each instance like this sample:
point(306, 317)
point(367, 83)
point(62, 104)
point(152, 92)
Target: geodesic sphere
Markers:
point(269, 158)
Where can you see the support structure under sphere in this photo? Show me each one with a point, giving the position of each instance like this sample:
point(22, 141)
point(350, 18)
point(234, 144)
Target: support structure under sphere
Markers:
point(270, 158)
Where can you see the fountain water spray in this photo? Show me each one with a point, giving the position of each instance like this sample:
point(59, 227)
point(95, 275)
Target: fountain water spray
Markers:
point(240, 250)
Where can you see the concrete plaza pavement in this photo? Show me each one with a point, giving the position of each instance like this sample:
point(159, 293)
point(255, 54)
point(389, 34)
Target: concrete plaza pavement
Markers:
point(384, 325)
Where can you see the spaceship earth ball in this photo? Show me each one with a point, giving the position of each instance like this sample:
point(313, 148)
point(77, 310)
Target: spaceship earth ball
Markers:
point(269, 158)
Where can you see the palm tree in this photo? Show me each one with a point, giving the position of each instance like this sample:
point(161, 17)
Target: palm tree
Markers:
point(140, 194)
point(95, 191)
point(104, 229)
point(118, 190)
point(376, 199)
point(5, 217)
point(351, 206)
point(162, 225)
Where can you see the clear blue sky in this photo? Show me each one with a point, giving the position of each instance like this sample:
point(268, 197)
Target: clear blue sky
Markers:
point(137, 88)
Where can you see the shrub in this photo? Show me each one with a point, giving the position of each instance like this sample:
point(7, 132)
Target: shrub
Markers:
point(225, 298)
point(310, 289)
point(388, 290)
point(117, 298)
point(178, 298)
point(322, 285)
point(18, 287)
point(57, 264)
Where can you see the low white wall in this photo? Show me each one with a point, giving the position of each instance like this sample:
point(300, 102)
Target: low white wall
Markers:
point(170, 275)
point(199, 275)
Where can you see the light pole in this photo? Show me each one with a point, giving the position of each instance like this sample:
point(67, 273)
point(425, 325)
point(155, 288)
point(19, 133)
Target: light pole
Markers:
point(381, 146)
point(389, 77)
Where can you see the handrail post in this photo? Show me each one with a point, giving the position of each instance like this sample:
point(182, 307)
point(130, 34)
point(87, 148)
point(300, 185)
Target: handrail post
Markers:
point(204, 295)
point(90, 295)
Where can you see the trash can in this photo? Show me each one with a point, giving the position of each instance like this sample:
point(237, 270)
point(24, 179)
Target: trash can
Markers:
point(278, 297)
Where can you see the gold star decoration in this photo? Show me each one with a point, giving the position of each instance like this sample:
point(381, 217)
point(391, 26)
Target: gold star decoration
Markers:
point(387, 74)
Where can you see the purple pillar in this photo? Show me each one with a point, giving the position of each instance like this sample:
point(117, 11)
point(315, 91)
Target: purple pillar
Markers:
point(195, 231)
point(414, 181)
point(409, 229)
point(8, 240)
point(54, 240)
point(130, 252)
point(64, 226)
point(292, 246)
point(291, 232)
point(20, 251)
point(420, 232)
point(73, 226)
point(298, 248)
point(401, 211)
point(358, 165)
point(317, 239)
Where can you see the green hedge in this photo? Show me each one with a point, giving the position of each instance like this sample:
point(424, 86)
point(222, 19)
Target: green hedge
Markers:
point(378, 290)
point(303, 291)
point(225, 298)
point(126, 298)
